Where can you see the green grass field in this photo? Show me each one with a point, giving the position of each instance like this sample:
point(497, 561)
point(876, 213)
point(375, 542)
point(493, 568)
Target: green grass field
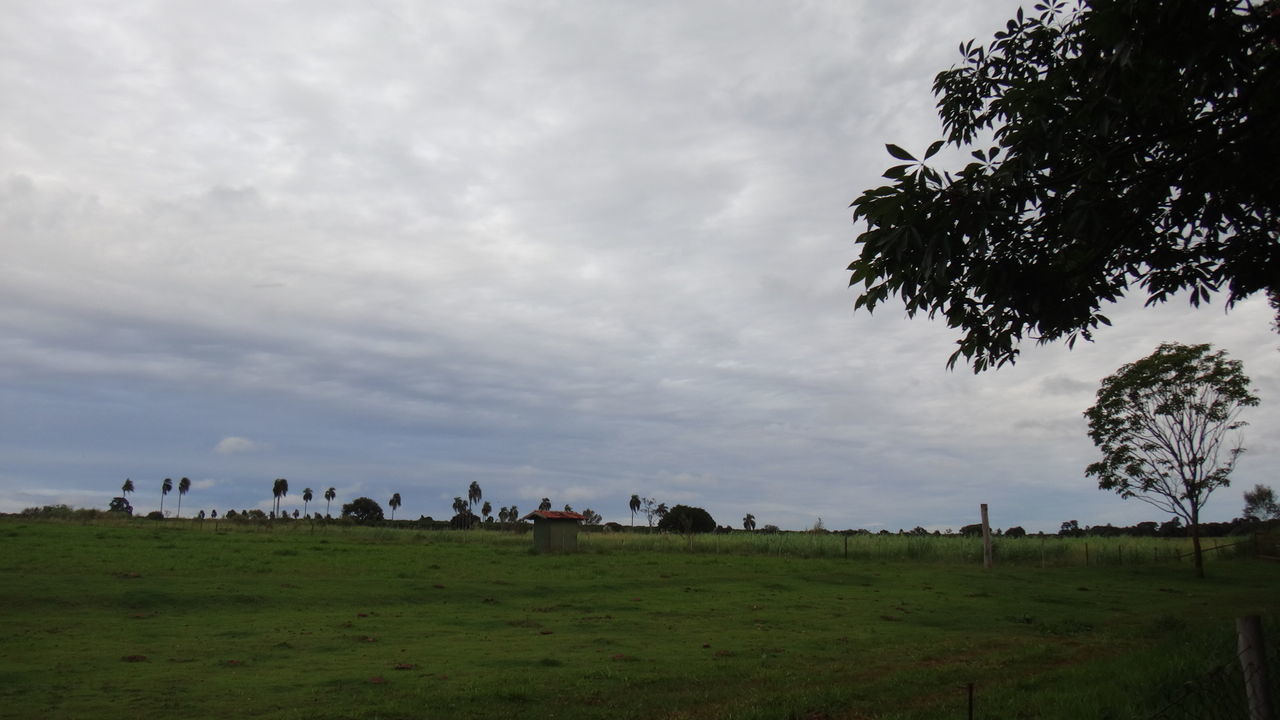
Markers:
point(144, 620)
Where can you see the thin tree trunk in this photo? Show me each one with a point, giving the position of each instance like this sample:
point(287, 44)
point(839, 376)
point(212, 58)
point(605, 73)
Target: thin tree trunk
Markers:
point(1195, 541)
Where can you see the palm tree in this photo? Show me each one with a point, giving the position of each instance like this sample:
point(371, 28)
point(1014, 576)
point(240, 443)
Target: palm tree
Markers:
point(183, 486)
point(749, 522)
point(279, 489)
point(126, 488)
point(306, 498)
point(460, 506)
point(486, 509)
point(394, 502)
point(635, 508)
point(329, 495)
point(474, 494)
point(513, 513)
point(165, 487)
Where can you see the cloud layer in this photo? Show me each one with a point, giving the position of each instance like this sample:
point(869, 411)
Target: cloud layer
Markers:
point(562, 251)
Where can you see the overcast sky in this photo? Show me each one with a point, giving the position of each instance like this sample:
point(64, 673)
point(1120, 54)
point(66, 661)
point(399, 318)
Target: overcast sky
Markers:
point(572, 250)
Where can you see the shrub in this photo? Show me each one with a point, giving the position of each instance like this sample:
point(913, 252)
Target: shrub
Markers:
point(685, 519)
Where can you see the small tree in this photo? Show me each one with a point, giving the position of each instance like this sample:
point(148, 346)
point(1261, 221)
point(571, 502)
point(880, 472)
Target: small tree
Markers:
point(126, 488)
point(1260, 504)
point(394, 502)
point(486, 510)
point(1162, 424)
point(363, 510)
point(591, 517)
point(120, 505)
point(649, 508)
point(749, 522)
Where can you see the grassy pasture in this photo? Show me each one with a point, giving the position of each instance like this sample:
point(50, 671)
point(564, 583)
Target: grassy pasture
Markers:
point(145, 619)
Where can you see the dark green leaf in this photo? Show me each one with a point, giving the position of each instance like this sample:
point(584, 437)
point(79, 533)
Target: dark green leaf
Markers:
point(898, 152)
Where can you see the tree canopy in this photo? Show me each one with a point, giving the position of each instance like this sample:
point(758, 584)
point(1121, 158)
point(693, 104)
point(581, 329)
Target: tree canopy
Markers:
point(686, 519)
point(363, 510)
point(1163, 425)
point(1114, 143)
point(1260, 503)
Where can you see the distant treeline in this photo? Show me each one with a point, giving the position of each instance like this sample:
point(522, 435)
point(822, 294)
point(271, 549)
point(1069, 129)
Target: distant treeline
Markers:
point(1071, 528)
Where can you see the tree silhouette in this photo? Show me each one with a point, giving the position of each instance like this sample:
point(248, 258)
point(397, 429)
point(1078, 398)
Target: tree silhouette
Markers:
point(486, 510)
point(363, 510)
point(749, 522)
point(648, 508)
point(1117, 147)
point(394, 503)
point(126, 488)
point(165, 488)
point(329, 495)
point(279, 489)
point(306, 498)
point(545, 504)
point(1260, 504)
point(687, 520)
point(635, 508)
point(474, 495)
point(1162, 424)
point(183, 486)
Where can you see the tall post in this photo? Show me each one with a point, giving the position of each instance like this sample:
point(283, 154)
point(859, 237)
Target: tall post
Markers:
point(986, 539)
point(1253, 661)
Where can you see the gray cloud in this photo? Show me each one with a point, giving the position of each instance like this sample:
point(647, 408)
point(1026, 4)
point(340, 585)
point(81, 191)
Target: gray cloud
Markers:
point(569, 252)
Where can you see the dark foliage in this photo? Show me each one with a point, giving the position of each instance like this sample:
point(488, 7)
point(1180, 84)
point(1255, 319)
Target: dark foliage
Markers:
point(686, 519)
point(363, 510)
point(1132, 143)
point(464, 520)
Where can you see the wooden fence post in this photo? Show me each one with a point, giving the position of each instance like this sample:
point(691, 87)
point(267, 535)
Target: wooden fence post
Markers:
point(1253, 661)
point(986, 539)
